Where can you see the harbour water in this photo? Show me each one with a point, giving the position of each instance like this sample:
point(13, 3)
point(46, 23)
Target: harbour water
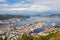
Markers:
point(31, 20)
point(38, 19)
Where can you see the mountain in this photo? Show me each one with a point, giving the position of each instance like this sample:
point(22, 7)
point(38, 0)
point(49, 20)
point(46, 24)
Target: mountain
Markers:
point(9, 16)
point(29, 13)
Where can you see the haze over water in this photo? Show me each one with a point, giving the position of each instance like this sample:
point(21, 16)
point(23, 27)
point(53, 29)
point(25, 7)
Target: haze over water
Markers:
point(38, 19)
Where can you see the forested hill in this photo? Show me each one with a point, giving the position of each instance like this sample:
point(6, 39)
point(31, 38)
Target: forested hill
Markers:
point(48, 15)
point(8, 16)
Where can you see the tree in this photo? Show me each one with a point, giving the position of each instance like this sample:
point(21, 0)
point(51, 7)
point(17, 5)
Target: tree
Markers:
point(47, 37)
point(37, 38)
point(24, 37)
point(1, 38)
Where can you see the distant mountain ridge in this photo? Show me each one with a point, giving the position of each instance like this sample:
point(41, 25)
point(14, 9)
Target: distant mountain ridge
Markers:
point(51, 15)
point(9, 16)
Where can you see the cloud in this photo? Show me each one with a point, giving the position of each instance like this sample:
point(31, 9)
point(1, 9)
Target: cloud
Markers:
point(39, 8)
point(2, 0)
point(31, 5)
point(30, 8)
point(53, 4)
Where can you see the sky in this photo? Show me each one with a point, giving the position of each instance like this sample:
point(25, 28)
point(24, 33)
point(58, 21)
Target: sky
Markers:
point(28, 6)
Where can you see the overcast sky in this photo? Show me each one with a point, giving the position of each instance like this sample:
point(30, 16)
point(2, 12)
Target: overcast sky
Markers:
point(20, 6)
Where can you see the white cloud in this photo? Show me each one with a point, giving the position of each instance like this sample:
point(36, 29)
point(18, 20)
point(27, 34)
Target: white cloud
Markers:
point(31, 8)
point(53, 4)
point(39, 8)
point(2, 0)
point(37, 5)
